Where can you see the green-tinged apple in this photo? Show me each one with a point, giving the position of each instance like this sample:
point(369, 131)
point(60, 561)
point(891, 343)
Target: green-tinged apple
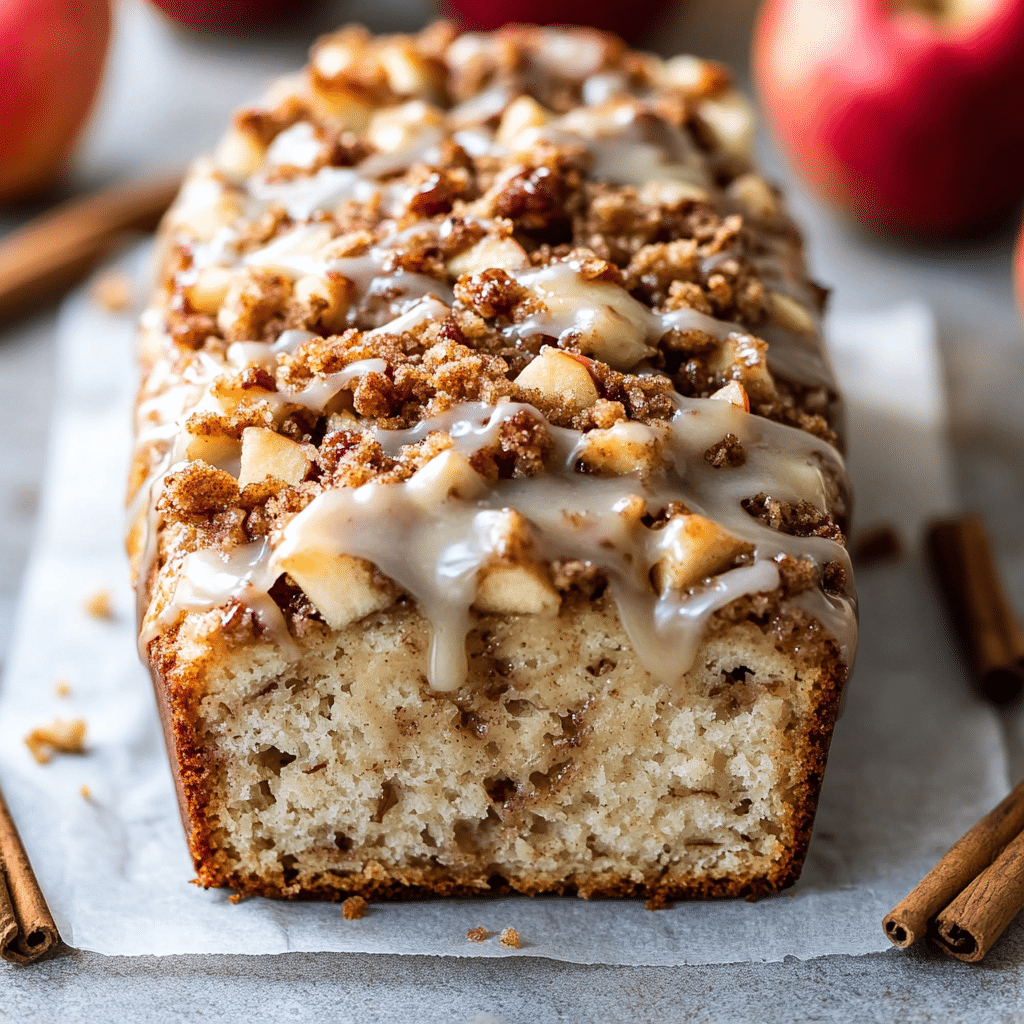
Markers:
point(51, 63)
point(907, 114)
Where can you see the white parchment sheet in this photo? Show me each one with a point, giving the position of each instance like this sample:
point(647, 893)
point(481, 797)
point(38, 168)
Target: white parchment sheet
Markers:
point(915, 759)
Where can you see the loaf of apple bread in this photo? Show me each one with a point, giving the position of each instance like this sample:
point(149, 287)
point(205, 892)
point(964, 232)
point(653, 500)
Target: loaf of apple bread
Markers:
point(487, 504)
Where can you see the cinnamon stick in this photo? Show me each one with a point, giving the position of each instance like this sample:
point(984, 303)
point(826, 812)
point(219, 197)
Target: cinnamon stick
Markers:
point(969, 926)
point(27, 931)
point(44, 258)
point(966, 859)
point(986, 626)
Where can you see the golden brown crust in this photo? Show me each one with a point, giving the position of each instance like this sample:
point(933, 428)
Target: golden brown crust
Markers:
point(707, 258)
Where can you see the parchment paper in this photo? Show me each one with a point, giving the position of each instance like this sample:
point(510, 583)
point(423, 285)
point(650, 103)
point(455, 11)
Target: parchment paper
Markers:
point(915, 759)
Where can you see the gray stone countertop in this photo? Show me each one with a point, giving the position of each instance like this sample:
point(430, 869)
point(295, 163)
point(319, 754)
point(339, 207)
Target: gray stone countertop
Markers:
point(167, 96)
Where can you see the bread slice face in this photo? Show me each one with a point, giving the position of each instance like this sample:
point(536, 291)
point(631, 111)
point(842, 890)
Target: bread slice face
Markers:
point(560, 766)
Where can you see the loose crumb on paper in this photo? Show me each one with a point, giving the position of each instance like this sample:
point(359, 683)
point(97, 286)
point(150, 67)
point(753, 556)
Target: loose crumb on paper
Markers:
point(114, 291)
point(85, 792)
point(478, 935)
point(58, 738)
point(99, 606)
point(238, 897)
point(61, 687)
point(509, 938)
point(354, 908)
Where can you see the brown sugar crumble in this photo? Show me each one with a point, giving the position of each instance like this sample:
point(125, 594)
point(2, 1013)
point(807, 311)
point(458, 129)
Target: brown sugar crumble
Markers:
point(98, 605)
point(354, 908)
point(478, 935)
point(509, 938)
point(58, 738)
point(114, 291)
point(659, 901)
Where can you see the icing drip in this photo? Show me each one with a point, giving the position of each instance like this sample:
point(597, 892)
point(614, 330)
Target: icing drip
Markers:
point(436, 548)
point(436, 544)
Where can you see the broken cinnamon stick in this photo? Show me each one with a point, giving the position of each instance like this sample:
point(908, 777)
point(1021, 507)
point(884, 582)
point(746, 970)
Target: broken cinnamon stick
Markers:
point(27, 931)
point(987, 628)
point(966, 859)
point(47, 256)
point(969, 926)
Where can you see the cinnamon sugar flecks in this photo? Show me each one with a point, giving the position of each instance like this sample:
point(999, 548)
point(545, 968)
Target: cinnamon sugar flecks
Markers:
point(354, 908)
point(59, 737)
point(478, 935)
point(510, 938)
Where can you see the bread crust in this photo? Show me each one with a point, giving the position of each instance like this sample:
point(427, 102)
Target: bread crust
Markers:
point(622, 288)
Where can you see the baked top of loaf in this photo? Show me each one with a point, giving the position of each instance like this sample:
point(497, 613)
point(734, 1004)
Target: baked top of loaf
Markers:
point(487, 320)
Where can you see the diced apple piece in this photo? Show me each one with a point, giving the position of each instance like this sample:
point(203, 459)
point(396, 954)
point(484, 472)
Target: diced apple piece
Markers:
point(623, 448)
point(790, 313)
point(745, 356)
point(341, 587)
point(327, 298)
point(209, 289)
point(489, 253)
point(448, 475)
point(693, 548)
point(407, 72)
point(269, 454)
point(754, 196)
point(239, 154)
point(513, 582)
point(395, 127)
point(731, 122)
point(560, 377)
point(216, 450)
point(735, 393)
point(671, 193)
point(520, 115)
point(515, 590)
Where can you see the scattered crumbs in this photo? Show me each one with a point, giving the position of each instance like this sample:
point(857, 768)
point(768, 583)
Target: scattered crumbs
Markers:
point(59, 738)
point(98, 605)
point(659, 901)
point(478, 935)
point(61, 687)
point(238, 897)
point(509, 938)
point(354, 908)
point(878, 545)
point(114, 291)
point(85, 792)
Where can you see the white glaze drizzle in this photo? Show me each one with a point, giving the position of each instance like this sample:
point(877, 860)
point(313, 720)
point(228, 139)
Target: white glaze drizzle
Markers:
point(435, 550)
point(376, 521)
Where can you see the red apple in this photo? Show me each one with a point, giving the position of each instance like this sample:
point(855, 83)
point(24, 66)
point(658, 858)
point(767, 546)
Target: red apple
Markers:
point(908, 114)
point(228, 15)
point(609, 15)
point(51, 63)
